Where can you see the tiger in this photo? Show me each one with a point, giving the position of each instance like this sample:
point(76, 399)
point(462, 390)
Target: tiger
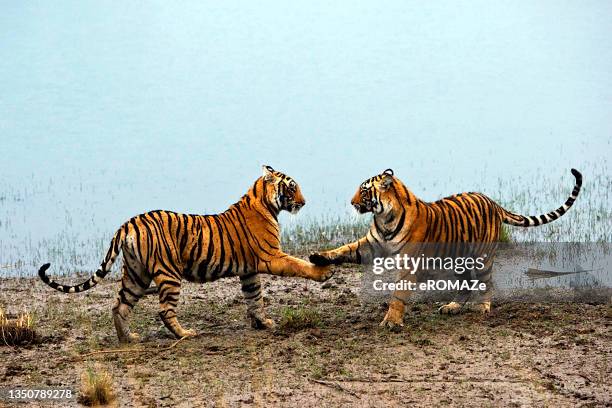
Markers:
point(400, 219)
point(167, 247)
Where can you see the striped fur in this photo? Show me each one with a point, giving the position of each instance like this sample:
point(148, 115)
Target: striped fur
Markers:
point(167, 247)
point(401, 219)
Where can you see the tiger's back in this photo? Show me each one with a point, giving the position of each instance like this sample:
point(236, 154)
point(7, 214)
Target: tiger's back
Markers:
point(201, 248)
point(463, 217)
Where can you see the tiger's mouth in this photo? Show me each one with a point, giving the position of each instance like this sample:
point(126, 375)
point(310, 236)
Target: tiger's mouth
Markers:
point(295, 208)
point(287, 204)
point(363, 208)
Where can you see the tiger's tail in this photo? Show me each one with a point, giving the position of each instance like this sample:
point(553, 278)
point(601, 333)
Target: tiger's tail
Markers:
point(533, 221)
point(111, 255)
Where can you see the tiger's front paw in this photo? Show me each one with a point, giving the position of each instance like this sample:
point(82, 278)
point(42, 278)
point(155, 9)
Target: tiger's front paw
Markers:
point(451, 308)
point(187, 333)
point(319, 259)
point(322, 273)
point(394, 319)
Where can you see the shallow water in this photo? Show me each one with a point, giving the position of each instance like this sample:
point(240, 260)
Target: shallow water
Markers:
point(110, 111)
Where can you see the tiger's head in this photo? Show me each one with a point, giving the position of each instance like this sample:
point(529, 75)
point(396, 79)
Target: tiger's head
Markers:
point(281, 191)
point(375, 195)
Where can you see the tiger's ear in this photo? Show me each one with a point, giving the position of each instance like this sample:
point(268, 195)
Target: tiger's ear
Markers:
point(388, 171)
point(268, 174)
point(386, 181)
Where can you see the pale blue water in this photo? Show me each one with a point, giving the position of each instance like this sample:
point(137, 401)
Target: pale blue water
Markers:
point(109, 109)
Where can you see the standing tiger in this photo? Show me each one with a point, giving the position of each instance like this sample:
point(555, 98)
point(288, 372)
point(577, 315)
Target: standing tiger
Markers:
point(167, 247)
point(401, 219)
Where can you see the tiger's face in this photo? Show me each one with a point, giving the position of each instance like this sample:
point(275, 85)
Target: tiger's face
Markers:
point(283, 192)
point(374, 195)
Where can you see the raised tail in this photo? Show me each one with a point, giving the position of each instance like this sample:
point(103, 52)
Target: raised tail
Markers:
point(533, 221)
point(111, 255)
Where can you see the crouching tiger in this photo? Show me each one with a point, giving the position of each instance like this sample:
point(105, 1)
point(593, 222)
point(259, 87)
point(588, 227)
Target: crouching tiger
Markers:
point(401, 220)
point(166, 247)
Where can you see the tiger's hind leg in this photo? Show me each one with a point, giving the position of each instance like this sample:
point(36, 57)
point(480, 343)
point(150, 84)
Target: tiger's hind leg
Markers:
point(461, 298)
point(484, 302)
point(169, 292)
point(134, 283)
point(251, 290)
point(461, 303)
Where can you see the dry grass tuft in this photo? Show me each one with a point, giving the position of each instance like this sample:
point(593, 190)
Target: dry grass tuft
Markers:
point(96, 387)
point(16, 332)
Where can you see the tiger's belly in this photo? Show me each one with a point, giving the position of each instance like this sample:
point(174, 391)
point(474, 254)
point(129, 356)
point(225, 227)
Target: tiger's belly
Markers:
point(209, 273)
point(192, 276)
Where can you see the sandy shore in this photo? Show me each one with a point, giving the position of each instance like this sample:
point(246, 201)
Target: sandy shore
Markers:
point(522, 354)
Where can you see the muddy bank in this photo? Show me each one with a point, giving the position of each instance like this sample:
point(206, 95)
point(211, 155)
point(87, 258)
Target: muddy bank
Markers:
point(522, 354)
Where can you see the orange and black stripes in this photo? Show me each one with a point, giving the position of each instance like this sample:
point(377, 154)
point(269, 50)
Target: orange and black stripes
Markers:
point(167, 247)
point(401, 219)
point(199, 248)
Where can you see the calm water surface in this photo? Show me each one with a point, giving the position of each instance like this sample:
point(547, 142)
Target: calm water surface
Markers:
point(110, 109)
